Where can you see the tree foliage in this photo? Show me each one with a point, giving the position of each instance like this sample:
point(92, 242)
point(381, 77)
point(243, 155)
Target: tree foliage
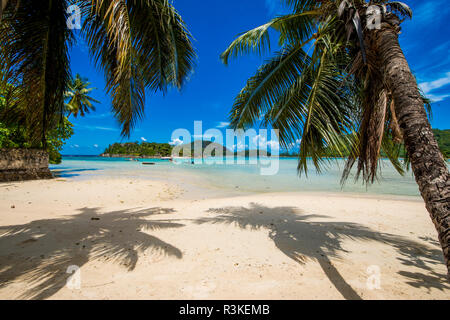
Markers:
point(325, 84)
point(78, 97)
point(443, 139)
point(148, 149)
point(13, 134)
point(139, 45)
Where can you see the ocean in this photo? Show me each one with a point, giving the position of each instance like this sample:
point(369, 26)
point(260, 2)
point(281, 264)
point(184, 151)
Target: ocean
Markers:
point(239, 178)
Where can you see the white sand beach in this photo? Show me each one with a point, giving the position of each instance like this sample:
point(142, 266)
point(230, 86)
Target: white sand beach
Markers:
point(150, 239)
point(238, 150)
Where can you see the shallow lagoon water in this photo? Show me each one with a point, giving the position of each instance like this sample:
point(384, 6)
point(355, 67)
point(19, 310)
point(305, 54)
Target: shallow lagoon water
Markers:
point(244, 177)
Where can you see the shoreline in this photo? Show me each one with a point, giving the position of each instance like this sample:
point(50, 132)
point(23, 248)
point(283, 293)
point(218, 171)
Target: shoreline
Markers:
point(240, 179)
point(145, 239)
point(217, 191)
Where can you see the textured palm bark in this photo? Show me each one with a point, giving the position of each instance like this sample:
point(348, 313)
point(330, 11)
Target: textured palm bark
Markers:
point(427, 162)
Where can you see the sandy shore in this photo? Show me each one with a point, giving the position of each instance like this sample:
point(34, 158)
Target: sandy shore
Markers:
point(141, 239)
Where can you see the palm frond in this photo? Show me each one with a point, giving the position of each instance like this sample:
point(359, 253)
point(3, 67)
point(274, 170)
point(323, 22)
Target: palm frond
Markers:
point(34, 55)
point(302, 5)
point(293, 28)
point(79, 101)
point(400, 8)
point(255, 40)
point(393, 151)
point(140, 45)
point(328, 116)
point(267, 86)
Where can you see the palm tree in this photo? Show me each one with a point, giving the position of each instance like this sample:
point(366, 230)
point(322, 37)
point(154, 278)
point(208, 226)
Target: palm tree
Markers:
point(78, 96)
point(342, 84)
point(139, 45)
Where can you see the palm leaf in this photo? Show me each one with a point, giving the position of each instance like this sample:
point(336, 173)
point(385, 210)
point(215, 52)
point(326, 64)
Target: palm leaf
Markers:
point(34, 55)
point(293, 28)
point(401, 8)
point(302, 5)
point(139, 46)
point(265, 88)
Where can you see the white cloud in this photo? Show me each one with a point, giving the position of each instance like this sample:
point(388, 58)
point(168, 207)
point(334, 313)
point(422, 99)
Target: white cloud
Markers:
point(101, 115)
point(262, 143)
point(428, 87)
point(100, 128)
point(176, 142)
point(430, 12)
point(223, 124)
point(240, 146)
point(143, 139)
point(437, 97)
point(95, 145)
point(207, 136)
point(274, 145)
point(294, 144)
point(445, 46)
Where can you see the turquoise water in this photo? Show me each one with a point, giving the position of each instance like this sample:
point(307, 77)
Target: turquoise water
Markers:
point(238, 177)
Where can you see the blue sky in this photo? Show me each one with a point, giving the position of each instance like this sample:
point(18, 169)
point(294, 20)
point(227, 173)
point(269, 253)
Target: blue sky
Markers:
point(209, 94)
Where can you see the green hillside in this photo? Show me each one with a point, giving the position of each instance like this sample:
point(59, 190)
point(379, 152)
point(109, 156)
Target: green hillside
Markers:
point(152, 149)
point(136, 149)
point(443, 139)
point(212, 146)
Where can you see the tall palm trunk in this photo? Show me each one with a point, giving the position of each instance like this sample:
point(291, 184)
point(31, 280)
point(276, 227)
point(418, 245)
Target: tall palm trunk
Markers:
point(427, 162)
point(2, 8)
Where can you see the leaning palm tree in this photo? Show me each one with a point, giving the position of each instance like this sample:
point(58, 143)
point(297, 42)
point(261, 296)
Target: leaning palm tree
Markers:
point(139, 45)
point(79, 101)
point(341, 84)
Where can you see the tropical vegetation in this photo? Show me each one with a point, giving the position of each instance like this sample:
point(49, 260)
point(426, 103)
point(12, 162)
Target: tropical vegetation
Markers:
point(201, 148)
point(153, 149)
point(136, 149)
point(78, 99)
point(443, 139)
point(341, 83)
point(138, 45)
point(13, 134)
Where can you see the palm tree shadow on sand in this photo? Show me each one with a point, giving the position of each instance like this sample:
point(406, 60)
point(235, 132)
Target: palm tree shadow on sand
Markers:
point(40, 252)
point(301, 239)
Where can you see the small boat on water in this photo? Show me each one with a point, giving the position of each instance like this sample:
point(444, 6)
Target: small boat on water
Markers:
point(148, 163)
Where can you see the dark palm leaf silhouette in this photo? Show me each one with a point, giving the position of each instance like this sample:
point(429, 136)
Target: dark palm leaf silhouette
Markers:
point(46, 248)
point(342, 85)
point(301, 239)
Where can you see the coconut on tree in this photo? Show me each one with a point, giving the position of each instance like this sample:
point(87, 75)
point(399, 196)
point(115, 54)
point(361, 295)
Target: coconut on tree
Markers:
point(140, 46)
point(341, 83)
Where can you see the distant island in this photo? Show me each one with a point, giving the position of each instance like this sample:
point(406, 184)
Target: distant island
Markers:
point(161, 150)
point(208, 146)
point(442, 137)
point(156, 150)
point(138, 150)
